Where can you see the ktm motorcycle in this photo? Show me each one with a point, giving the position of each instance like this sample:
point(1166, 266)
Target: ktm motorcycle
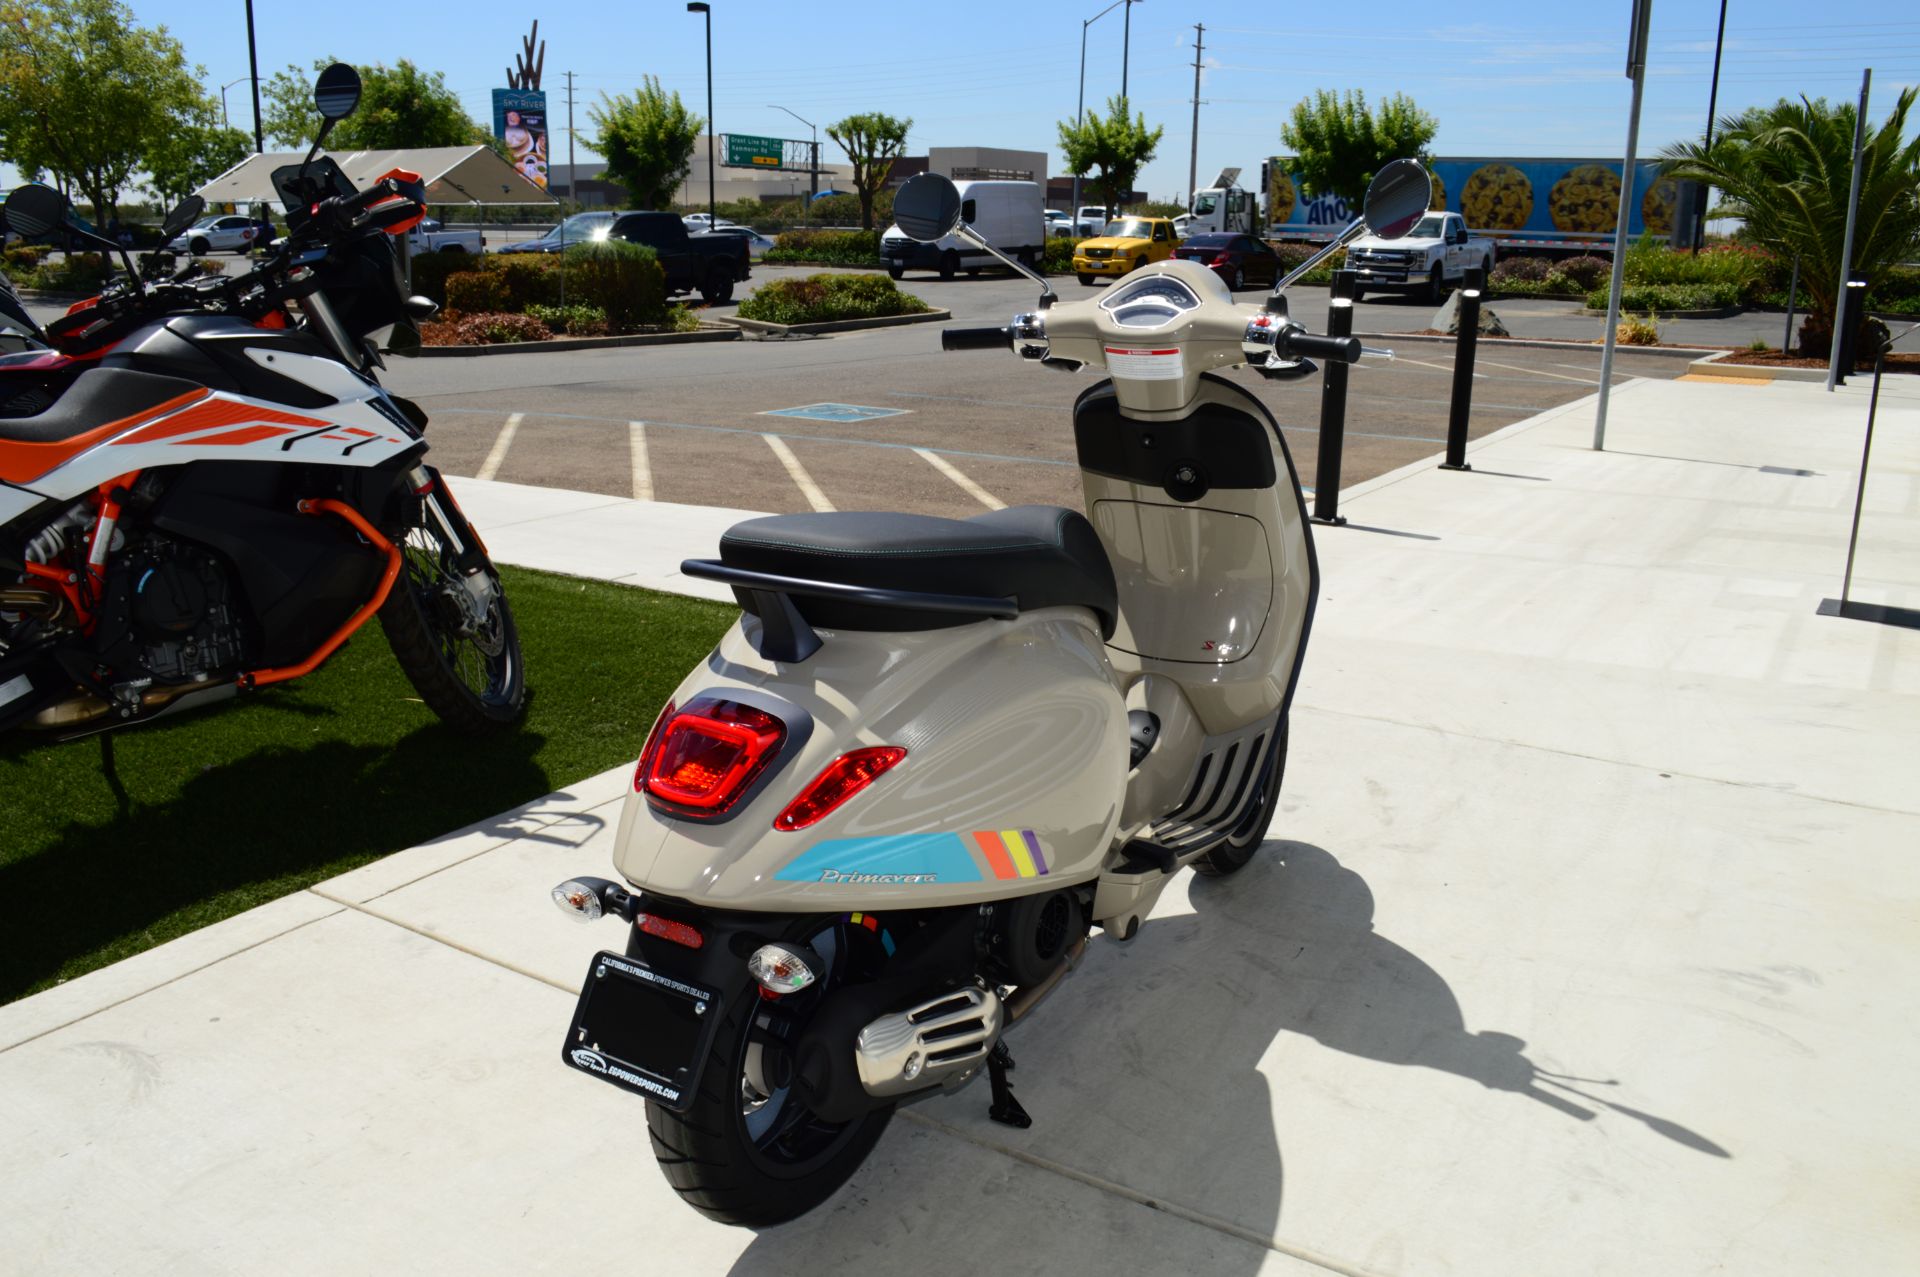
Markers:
point(204, 489)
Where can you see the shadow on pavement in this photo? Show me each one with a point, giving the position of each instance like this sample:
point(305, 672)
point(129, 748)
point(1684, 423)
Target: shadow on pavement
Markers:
point(1144, 1071)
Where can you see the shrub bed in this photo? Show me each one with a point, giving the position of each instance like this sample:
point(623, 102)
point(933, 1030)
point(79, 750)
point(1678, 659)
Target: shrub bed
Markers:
point(619, 282)
point(822, 298)
point(1669, 297)
point(484, 330)
point(827, 248)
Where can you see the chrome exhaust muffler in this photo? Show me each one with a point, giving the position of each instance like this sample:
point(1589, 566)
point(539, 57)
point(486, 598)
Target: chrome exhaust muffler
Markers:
point(943, 1040)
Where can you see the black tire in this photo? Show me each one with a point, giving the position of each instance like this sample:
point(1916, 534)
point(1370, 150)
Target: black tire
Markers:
point(1139, 263)
point(949, 264)
point(717, 287)
point(469, 671)
point(1232, 855)
point(721, 1166)
point(1086, 281)
point(895, 271)
point(1239, 280)
point(453, 248)
point(1359, 295)
point(1437, 288)
point(198, 246)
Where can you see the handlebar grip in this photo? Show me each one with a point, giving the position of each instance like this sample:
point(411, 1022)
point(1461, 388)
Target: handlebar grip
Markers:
point(976, 339)
point(1344, 349)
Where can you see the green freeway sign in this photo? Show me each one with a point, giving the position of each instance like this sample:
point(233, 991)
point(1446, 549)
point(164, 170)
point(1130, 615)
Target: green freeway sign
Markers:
point(754, 152)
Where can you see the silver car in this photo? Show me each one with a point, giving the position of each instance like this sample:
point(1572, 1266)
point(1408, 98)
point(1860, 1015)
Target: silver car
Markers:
point(222, 233)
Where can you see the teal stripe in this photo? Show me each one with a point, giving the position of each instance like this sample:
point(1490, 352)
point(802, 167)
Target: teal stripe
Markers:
point(942, 856)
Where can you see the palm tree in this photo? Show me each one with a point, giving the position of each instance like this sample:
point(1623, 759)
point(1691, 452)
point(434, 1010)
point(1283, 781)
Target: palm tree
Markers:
point(1785, 170)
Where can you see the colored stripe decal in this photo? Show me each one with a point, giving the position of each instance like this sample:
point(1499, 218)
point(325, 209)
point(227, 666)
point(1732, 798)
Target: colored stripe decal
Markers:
point(922, 859)
point(1033, 846)
point(1017, 847)
point(996, 852)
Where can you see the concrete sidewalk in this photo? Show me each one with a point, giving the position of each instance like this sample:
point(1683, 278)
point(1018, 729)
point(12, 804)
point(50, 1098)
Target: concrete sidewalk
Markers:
point(1586, 945)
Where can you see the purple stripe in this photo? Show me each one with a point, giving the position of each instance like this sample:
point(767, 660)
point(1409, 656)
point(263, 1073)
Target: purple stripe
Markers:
point(1033, 845)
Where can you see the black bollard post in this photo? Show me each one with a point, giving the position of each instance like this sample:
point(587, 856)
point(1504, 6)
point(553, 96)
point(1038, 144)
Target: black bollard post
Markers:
point(1852, 310)
point(1468, 341)
point(1333, 406)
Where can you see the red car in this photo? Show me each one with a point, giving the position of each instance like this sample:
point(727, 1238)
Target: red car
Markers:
point(1239, 260)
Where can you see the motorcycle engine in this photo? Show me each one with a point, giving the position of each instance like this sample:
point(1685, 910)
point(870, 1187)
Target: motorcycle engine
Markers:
point(180, 610)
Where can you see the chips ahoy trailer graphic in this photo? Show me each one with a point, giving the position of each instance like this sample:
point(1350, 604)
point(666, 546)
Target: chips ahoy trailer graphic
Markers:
point(1545, 202)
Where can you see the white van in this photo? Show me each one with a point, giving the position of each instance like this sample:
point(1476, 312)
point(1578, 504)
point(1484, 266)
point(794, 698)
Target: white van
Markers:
point(1006, 214)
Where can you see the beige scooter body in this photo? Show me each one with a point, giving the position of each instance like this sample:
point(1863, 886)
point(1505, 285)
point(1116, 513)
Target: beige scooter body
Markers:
point(1017, 730)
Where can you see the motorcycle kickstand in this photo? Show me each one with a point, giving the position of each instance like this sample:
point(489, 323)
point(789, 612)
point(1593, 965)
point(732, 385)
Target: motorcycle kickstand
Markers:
point(1005, 1109)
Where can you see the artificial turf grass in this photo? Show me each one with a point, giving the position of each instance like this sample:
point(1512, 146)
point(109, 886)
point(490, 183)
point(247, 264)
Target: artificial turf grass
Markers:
point(206, 815)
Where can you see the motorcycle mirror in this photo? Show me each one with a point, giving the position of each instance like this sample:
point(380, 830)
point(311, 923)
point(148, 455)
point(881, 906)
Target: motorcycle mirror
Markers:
point(337, 92)
point(1397, 198)
point(183, 215)
point(34, 210)
point(927, 207)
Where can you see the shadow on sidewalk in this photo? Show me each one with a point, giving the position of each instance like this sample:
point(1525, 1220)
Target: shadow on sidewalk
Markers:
point(1144, 1071)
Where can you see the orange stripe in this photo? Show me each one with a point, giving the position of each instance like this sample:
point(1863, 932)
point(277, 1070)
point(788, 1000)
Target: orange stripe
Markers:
point(234, 438)
point(997, 858)
point(217, 413)
point(24, 462)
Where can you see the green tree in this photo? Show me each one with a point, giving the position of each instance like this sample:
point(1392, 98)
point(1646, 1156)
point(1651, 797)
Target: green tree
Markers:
point(1341, 143)
point(85, 94)
point(1786, 171)
point(1114, 146)
point(400, 106)
point(873, 140)
point(192, 154)
point(647, 139)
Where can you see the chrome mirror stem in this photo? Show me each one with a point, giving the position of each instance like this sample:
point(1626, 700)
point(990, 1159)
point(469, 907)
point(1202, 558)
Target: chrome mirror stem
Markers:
point(1355, 229)
point(1047, 296)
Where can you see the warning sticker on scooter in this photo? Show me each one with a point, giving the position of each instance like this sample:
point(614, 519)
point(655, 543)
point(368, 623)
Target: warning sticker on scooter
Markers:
point(1141, 364)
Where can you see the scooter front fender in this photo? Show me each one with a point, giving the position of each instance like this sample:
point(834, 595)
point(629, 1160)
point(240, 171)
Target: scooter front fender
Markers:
point(1016, 740)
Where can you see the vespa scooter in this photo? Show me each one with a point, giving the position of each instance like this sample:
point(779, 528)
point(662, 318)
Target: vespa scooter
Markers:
point(876, 827)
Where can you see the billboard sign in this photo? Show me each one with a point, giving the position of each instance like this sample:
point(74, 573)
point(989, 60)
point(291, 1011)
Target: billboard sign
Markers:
point(747, 151)
point(520, 120)
point(1545, 198)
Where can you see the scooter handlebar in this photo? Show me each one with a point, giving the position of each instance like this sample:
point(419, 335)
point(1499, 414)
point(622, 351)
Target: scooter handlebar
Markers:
point(976, 338)
point(1345, 349)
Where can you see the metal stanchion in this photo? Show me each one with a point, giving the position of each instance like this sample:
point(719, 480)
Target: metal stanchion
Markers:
point(1853, 305)
point(1467, 320)
point(1880, 613)
point(1333, 406)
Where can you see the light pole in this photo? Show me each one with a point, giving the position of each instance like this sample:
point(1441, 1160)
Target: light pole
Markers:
point(1126, 44)
point(1080, 111)
point(253, 70)
point(813, 163)
point(224, 122)
point(698, 7)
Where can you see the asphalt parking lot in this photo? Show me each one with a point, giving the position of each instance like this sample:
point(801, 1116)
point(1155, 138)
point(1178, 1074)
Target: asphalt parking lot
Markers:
point(945, 434)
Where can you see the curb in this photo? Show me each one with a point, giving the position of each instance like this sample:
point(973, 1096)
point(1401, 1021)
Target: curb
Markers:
point(761, 330)
point(1544, 343)
point(579, 343)
point(1721, 312)
point(1719, 365)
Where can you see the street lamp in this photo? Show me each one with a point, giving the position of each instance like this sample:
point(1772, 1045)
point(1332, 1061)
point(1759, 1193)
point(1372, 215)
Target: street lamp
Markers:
point(224, 122)
point(1080, 111)
point(697, 7)
point(813, 165)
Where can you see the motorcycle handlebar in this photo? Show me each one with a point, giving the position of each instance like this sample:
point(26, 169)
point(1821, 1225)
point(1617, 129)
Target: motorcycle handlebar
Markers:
point(1345, 349)
point(976, 339)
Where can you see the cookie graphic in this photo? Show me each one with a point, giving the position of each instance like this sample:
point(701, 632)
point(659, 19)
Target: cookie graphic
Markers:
point(1658, 204)
point(1586, 199)
point(1498, 197)
point(1280, 198)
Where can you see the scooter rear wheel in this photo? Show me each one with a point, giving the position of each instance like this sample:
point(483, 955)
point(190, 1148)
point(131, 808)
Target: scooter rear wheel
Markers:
point(1233, 855)
point(750, 1151)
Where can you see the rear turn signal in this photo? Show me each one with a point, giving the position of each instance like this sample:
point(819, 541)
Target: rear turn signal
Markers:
point(702, 759)
point(844, 777)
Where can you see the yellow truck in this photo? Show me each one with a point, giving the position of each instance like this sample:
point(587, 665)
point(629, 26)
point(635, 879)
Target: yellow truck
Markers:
point(1128, 244)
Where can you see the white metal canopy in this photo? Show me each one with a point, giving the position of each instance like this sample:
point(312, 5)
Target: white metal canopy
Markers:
point(453, 174)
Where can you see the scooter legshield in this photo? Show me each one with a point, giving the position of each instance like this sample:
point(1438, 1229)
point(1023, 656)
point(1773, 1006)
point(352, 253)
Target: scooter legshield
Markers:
point(1016, 763)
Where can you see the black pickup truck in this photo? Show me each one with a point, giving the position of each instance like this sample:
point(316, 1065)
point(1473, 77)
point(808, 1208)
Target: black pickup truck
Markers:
point(709, 263)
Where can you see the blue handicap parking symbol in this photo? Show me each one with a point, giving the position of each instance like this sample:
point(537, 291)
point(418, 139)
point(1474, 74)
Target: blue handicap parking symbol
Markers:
point(836, 412)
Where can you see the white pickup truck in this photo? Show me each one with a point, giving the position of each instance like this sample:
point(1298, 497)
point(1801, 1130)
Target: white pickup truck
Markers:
point(431, 237)
point(1430, 259)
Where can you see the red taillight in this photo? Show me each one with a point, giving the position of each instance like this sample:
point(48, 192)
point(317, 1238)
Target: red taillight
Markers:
point(1221, 259)
point(844, 777)
point(704, 757)
point(667, 929)
point(653, 738)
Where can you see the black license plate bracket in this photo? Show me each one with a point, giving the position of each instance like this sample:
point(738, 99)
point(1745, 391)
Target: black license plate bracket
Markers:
point(642, 1030)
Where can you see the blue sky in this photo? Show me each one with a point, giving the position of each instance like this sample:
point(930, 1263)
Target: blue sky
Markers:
point(1503, 78)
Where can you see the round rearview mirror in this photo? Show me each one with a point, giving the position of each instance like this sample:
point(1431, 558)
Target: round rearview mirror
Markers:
point(181, 217)
point(927, 207)
point(337, 91)
point(34, 210)
point(1397, 198)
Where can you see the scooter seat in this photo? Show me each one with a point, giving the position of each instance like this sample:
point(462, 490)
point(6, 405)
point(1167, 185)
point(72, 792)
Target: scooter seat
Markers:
point(1039, 555)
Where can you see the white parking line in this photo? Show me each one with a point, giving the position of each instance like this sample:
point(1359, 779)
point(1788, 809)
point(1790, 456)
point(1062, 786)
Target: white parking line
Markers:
point(642, 473)
point(1402, 359)
point(1541, 372)
point(967, 485)
point(808, 488)
point(498, 457)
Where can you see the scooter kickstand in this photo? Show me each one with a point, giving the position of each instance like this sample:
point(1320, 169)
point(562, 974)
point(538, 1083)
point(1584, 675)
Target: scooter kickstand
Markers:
point(1005, 1109)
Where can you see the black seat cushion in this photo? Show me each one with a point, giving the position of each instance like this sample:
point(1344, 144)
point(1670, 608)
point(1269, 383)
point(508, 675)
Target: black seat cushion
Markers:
point(96, 397)
point(1038, 555)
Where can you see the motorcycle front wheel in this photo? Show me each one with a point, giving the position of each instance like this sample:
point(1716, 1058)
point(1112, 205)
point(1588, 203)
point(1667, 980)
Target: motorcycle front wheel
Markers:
point(749, 1151)
point(454, 637)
